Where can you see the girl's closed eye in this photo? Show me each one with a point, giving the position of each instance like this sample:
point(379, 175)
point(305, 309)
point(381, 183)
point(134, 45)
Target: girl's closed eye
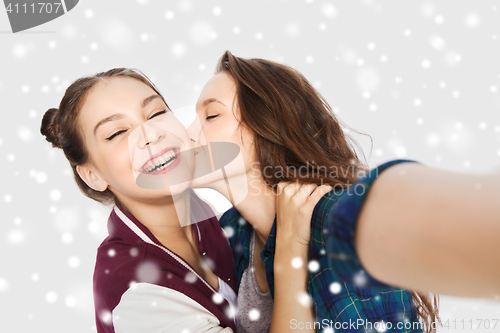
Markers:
point(123, 131)
point(115, 134)
point(158, 113)
point(212, 117)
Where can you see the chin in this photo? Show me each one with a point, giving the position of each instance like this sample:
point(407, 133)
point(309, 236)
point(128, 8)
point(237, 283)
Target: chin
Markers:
point(178, 189)
point(208, 180)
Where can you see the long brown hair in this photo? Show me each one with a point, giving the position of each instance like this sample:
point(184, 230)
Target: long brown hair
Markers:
point(295, 127)
point(60, 125)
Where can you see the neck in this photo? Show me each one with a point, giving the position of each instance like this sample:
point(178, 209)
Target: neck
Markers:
point(168, 218)
point(253, 199)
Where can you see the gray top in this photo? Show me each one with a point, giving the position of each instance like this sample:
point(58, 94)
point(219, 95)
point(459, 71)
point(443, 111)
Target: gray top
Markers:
point(255, 308)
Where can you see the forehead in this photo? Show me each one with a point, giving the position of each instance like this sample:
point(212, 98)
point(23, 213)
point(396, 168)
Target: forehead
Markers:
point(110, 96)
point(220, 86)
point(117, 92)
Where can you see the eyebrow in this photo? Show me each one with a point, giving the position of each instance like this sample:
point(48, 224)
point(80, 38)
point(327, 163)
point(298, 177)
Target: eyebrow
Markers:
point(148, 100)
point(117, 116)
point(211, 100)
point(113, 117)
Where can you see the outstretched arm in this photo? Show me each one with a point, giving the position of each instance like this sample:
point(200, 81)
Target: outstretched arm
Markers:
point(432, 230)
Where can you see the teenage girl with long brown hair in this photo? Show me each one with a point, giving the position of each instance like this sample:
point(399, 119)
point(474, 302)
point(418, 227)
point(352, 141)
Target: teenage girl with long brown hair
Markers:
point(401, 237)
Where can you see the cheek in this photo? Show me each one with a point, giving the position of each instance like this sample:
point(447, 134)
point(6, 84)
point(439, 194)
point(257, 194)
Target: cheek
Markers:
point(224, 130)
point(117, 162)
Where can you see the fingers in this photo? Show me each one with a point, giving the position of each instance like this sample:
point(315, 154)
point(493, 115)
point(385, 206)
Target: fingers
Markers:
point(307, 188)
point(303, 190)
point(318, 193)
point(288, 188)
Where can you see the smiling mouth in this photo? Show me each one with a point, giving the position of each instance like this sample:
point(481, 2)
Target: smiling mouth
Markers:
point(161, 162)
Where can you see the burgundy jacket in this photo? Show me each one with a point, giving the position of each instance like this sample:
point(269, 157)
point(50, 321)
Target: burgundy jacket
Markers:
point(131, 255)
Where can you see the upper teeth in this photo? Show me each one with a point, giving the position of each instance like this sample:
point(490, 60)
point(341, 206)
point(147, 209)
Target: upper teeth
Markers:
point(160, 162)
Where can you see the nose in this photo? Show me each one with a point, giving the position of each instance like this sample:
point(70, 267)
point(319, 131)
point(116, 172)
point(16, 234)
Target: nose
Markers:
point(194, 130)
point(148, 135)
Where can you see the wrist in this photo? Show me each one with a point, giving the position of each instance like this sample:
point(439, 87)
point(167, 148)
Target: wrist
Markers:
point(291, 241)
point(290, 251)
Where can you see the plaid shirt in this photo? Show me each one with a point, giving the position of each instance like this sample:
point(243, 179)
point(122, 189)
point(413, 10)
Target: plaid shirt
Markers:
point(345, 297)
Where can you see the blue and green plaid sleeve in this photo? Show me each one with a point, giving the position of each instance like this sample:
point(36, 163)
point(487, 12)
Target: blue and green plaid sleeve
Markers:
point(341, 227)
point(346, 298)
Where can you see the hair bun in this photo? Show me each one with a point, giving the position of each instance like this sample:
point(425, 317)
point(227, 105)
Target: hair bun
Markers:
point(50, 128)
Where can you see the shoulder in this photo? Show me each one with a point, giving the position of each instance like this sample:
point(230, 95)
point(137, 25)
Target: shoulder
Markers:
point(238, 229)
point(115, 268)
point(231, 218)
point(351, 199)
point(342, 206)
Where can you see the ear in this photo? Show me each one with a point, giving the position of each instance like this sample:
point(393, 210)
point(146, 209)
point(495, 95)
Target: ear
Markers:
point(91, 178)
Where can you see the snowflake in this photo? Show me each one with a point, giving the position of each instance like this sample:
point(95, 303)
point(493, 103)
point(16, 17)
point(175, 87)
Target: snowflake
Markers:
point(51, 297)
point(437, 42)
point(4, 284)
point(74, 262)
point(217, 298)
point(70, 301)
point(178, 49)
point(16, 236)
point(169, 15)
point(229, 231)
point(25, 134)
point(313, 266)
point(472, 20)
point(190, 277)
point(67, 237)
point(335, 288)
point(217, 11)
point(380, 326)
point(439, 19)
point(88, 13)
point(297, 263)
point(106, 317)
point(254, 314)
point(426, 63)
point(55, 195)
point(304, 299)
point(329, 10)
point(360, 279)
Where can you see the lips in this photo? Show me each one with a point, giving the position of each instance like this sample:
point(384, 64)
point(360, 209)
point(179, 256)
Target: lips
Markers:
point(158, 159)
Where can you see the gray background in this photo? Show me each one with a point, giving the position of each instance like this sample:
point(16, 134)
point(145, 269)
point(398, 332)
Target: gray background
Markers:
point(421, 77)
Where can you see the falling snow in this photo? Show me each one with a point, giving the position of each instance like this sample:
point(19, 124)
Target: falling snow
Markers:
point(254, 314)
point(335, 288)
point(4, 285)
point(67, 237)
point(190, 277)
point(217, 298)
point(74, 262)
point(313, 266)
point(51, 297)
point(409, 89)
point(297, 263)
